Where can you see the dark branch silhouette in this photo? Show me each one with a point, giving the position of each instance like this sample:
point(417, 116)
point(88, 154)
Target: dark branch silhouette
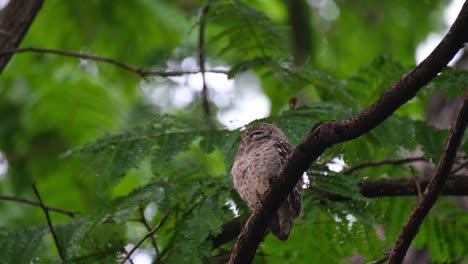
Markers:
point(148, 228)
point(459, 168)
point(149, 234)
point(15, 21)
point(49, 222)
point(435, 186)
point(128, 67)
point(33, 203)
point(324, 135)
point(201, 59)
point(454, 186)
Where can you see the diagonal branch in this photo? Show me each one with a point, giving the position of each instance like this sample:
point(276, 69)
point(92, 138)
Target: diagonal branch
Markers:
point(128, 67)
point(149, 234)
point(324, 135)
point(49, 222)
point(435, 186)
point(15, 21)
point(459, 168)
point(26, 201)
point(148, 228)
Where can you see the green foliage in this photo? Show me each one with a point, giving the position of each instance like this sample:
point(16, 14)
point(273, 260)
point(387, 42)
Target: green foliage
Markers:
point(386, 141)
point(143, 161)
point(337, 183)
point(161, 139)
point(334, 233)
point(20, 245)
point(450, 82)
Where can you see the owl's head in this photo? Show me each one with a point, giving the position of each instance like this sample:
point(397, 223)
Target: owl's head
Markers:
point(261, 131)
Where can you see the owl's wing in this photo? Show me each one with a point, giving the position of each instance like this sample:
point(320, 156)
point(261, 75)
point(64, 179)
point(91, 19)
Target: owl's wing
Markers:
point(294, 200)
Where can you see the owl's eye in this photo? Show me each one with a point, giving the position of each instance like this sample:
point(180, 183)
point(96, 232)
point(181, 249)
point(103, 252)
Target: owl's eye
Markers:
point(258, 133)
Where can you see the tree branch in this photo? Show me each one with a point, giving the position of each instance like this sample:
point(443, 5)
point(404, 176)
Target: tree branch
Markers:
point(201, 59)
point(326, 134)
point(230, 230)
point(380, 163)
point(454, 186)
point(49, 222)
point(27, 201)
point(459, 168)
point(148, 228)
point(149, 234)
point(435, 186)
point(128, 67)
point(15, 21)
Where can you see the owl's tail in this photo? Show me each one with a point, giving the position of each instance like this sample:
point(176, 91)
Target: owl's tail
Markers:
point(281, 223)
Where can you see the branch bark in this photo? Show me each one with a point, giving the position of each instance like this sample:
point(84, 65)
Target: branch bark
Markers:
point(435, 186)
point(454, 186)
point(326, 134)
point(15, 21)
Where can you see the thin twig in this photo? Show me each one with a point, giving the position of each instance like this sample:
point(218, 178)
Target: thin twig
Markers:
point(49, 222)
point(410, 229)
point(416, 182)
point(382, 162)
point(459, 168)
point(201, 59)
point(33, 203)
point(125, 251)
point(128, 67)
point(150, 233)
point(148, 228)
point(380, 261)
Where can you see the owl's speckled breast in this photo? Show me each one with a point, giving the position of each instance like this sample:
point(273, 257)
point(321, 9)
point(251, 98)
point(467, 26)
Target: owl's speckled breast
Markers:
point(263, 151)
point(255, 170)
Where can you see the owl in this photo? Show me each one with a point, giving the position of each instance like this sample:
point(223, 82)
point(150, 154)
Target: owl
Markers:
point(263, 151)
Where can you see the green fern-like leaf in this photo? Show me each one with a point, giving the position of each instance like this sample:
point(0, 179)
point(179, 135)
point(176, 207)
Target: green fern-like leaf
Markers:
point(247, 30)
point(20, 245)
point(110, 158)
point(451, 82)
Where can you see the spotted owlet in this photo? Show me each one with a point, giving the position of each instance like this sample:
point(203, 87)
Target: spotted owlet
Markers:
point(263, 150)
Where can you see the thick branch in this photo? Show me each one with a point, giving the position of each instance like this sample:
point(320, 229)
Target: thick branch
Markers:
point(128, 67)
point(15, 21)
point(454, 186)
point(230, 231)
point(435, 186)
point(326, 134)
